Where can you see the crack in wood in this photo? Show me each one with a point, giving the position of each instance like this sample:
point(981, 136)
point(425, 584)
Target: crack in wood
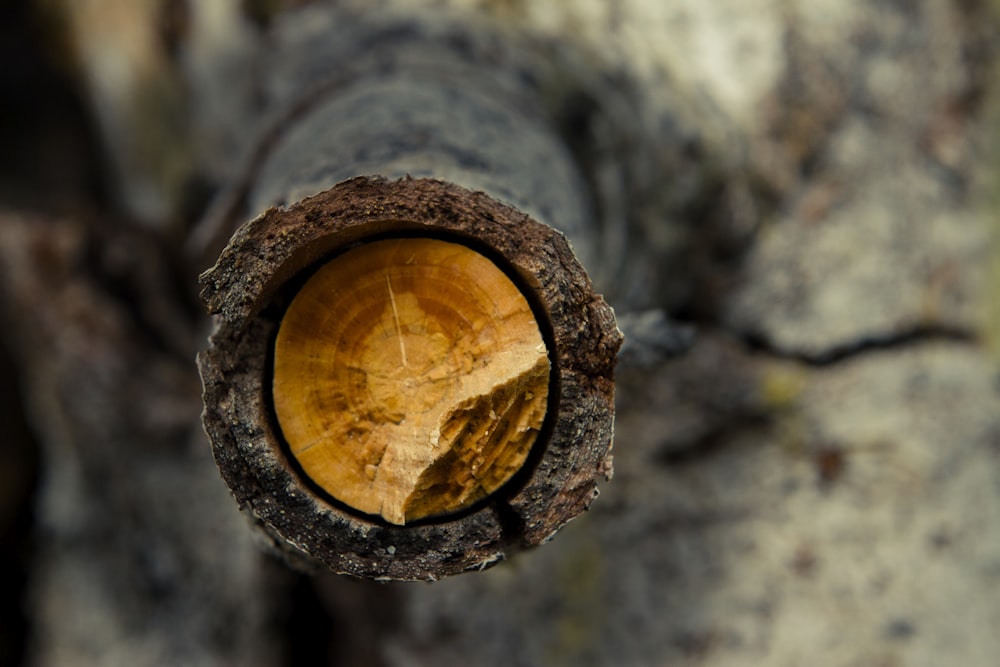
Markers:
point(870, 344)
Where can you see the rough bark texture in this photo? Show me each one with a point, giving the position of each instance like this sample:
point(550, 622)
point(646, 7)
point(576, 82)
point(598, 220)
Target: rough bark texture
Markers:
point(397, 98)
point(414, 100)
point(815, 482)
point(247, 290)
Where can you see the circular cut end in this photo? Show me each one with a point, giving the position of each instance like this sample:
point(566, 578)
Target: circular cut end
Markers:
point(410, 378)
point(251, 281)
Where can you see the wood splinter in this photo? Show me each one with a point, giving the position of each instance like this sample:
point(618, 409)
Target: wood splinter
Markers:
point(410, 378)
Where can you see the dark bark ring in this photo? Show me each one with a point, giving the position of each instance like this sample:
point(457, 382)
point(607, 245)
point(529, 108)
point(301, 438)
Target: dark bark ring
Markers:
point(248, 290)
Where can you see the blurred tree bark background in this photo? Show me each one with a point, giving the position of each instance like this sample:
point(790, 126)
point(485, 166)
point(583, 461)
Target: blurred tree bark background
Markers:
point(810, 186)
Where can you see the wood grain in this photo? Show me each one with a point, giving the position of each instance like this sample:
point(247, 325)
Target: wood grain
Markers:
point(252, 290)
point(410, 378)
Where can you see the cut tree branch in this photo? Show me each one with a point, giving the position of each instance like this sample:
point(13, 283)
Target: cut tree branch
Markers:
point(408, 377)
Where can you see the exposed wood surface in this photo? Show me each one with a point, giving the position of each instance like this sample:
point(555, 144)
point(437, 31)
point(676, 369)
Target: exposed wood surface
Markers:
point(258, 275)
point(410, 378)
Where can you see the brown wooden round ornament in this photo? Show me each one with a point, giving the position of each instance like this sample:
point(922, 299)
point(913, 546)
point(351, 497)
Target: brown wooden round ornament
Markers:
point(407, 379)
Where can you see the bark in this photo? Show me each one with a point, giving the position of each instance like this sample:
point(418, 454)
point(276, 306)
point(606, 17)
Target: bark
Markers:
point(806, 184)
point(253, 277)
point(417, 101)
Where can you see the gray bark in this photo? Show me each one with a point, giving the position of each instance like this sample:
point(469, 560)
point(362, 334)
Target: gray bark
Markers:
point(813, 482)
point(420, 104)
